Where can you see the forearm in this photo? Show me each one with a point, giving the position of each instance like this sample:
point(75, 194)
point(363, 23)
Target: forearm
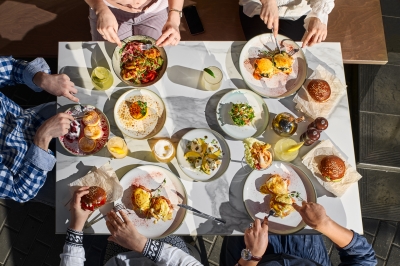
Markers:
point(73, 251)
point(320, 9)
point(174, 256)
point(174, 16)
point(30, 177)
point(96, 5)
point(336, 233)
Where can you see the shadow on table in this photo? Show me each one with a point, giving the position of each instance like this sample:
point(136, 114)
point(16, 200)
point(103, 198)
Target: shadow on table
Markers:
point(108, 110)
point(230, 209)
point(185, 76)
point(211, 112)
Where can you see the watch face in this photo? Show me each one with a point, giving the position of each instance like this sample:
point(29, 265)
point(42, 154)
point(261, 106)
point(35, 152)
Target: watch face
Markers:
point(246, 254)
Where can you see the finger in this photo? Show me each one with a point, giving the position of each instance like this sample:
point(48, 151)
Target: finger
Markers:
point(110, 227)
point(116, 218)
point(307, 38)
point(124, 216)
point(304, 203)
point(265, 220)
point(79, 194)
point(114, 37)
point(112, 221)
point(71, 97)
point(163, 37)
point(296, 207)
point(72, 88)
point(107, 34)
point(270, 23)
point(257, 224)
point(111, 238)
point(276, 26)
point(67, 116)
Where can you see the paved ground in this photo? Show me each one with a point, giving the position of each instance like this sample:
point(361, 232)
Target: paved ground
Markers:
point(27, 230)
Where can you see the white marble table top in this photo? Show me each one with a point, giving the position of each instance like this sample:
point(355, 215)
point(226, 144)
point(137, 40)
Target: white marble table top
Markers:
point(190, 107)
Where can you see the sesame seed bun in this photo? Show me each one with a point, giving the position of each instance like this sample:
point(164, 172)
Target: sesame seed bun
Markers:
point(319, 90)
point(332, 168)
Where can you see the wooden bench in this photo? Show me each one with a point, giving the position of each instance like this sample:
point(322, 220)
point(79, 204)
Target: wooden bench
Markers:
point(34, 27)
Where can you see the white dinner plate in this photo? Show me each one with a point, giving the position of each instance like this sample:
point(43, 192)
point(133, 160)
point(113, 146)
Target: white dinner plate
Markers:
point(257, 204)
point(209, 135)
point(151, 176)
point(157, 108)
point(279, 85)
point(261, 112)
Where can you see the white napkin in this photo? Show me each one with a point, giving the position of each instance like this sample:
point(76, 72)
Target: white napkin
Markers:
point(313, 158)
point(314, 109)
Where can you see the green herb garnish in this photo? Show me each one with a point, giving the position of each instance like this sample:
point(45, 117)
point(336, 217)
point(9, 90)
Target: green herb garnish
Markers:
point(209, 72)
point(242, 114)
point(143, 107)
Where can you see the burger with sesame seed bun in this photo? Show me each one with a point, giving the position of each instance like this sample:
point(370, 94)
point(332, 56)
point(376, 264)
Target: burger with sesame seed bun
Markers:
point(332, 168)
point(319, 90)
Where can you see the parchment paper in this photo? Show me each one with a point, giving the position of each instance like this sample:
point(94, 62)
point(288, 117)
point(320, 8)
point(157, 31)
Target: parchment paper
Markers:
point(312, 159)
point(103, 177)
point(314, 109)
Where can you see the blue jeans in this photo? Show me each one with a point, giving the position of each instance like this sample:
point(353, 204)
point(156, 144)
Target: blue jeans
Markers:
point(309, 247)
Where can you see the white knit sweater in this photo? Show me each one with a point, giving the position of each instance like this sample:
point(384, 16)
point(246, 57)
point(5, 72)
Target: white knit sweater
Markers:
point(293, 9)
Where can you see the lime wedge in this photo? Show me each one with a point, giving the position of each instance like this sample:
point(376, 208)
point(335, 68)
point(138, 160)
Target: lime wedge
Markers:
point(295, 147)
point(209, 72)
point(100, 72)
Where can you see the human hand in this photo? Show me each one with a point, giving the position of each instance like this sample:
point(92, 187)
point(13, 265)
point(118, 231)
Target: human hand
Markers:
point(124, 233)
point(316, 32)
point(313, 215)
point(270, 15)
point(78, 215)
point(170, 34)
point(256, 238)
point(57, 84)
point(53, 127)
point(107, 25)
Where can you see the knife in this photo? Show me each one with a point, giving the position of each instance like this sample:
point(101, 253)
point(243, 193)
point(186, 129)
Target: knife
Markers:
point(219, 220)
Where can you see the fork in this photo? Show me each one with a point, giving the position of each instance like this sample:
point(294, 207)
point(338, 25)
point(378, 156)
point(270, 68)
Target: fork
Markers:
point(293, 51)
point(116, 208)
point(276, 41)
point(271, 212)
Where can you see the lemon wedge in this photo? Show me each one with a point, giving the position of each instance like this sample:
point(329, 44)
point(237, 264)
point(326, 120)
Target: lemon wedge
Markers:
point(192, 154)
point(296, 147)
point(117, 150)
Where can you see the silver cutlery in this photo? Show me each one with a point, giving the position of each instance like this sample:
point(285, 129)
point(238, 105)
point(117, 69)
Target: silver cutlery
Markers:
point(116, 208)
point(293, 51)
point(276, 41)
point(271, 212)
point(219, 220)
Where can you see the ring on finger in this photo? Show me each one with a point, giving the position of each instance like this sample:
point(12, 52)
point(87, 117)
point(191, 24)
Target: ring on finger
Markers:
point(250, 225)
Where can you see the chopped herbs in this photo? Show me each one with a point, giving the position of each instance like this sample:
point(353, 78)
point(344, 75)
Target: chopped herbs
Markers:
point(242, 114)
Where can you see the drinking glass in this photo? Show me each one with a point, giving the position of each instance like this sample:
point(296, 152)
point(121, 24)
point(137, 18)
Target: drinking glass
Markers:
point(102, 79)
point(281, 150)
point(209, 82)
point(164, 151)
point(117, 147)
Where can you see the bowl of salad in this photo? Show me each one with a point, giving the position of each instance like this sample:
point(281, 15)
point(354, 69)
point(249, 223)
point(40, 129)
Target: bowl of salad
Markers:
point(139, 62)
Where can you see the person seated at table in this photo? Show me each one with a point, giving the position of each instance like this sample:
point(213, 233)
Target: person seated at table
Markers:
point(25, 158)
point(300, 20)
point(298, 249)
point(126, 245)
point(115, 20)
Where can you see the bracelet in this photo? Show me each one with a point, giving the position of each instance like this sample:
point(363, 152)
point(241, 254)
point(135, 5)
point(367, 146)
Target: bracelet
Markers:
point(176, 10)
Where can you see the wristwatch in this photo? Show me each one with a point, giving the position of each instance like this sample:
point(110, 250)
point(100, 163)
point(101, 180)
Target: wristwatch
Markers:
point(246, 255)
point(176, 10)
